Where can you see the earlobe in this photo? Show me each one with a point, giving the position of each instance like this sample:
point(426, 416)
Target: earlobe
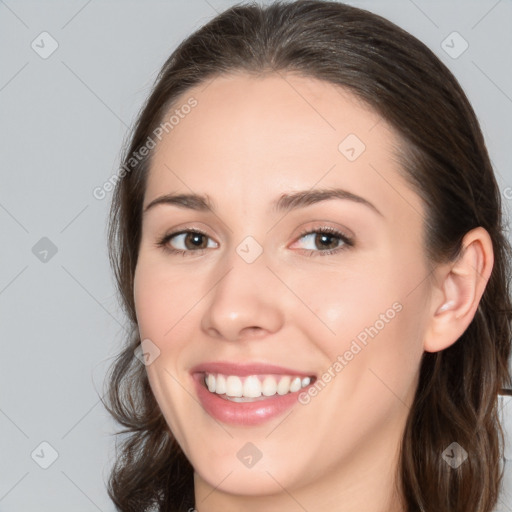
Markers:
point(460, 286)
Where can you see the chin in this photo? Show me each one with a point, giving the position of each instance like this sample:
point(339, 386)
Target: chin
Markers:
point(264, 478)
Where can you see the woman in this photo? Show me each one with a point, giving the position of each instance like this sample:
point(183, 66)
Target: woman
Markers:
point(307, 238)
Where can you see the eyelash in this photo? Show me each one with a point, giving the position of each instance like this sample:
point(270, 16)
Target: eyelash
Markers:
point(327, 230)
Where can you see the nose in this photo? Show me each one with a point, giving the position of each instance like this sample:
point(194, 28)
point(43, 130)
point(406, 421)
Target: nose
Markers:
point(246, 302)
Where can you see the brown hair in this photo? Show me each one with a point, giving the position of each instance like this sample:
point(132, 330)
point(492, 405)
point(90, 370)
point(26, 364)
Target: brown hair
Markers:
point(444, 157)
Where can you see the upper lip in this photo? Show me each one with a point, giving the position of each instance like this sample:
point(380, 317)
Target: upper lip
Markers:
point(245, 369)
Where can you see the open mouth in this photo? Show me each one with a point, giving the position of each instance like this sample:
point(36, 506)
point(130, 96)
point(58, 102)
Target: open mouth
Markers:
point(248, 394)
point(252, 388)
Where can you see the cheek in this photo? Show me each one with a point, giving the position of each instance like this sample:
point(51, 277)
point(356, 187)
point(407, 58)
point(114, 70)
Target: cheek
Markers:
point(345, 304)
point(148, 299)
point(372, 318)
point(157, 304)
point(162, 318)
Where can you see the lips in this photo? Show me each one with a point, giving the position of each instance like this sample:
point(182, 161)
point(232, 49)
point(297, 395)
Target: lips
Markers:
point(248, 394)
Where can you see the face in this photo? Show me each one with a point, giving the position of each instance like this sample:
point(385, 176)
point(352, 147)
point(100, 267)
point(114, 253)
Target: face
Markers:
point(310, 305)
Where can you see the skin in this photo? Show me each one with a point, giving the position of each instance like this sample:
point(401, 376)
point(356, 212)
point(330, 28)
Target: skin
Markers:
point(248, 141)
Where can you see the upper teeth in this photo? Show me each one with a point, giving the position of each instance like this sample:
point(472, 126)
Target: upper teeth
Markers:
point(254, 386)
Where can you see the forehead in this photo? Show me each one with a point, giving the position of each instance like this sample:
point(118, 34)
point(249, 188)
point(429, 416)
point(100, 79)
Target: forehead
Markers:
point(254, 137)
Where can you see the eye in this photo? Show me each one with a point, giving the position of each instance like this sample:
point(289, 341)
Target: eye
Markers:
point(330, 241)
point(185, 242)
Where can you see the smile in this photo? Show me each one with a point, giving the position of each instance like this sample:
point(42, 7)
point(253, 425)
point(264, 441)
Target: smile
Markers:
point(248, 394)
point(253, 387)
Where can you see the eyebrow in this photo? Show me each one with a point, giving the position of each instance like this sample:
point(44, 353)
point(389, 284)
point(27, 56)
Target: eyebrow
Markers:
point(285, 202)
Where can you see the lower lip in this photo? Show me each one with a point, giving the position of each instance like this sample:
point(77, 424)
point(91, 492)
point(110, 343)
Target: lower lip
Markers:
point(243, 413)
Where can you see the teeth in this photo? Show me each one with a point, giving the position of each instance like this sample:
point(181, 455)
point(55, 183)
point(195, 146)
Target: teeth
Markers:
point(284, 386)
point(210, 382)
point(220, 387)
point(234, 386)
point(254, 386)
point(296, 384)
point(269, 387)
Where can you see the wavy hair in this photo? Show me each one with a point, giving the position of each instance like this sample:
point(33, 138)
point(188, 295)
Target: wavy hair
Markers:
point(444, 158)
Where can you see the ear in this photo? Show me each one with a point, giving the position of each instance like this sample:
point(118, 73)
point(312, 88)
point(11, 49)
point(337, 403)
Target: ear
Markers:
point(459, 286)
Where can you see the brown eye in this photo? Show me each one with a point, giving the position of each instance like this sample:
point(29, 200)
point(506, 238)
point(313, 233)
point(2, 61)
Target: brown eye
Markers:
point(195, 240)
point(186, 242)
point(325, 241)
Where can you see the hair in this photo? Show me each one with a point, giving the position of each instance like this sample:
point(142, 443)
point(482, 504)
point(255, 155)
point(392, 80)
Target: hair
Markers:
point(443, 156)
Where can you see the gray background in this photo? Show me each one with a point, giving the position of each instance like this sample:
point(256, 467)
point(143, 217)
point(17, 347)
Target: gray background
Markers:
point(63, 121)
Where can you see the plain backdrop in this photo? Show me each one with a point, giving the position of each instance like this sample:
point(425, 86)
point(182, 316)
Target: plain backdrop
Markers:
point(73, 76)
